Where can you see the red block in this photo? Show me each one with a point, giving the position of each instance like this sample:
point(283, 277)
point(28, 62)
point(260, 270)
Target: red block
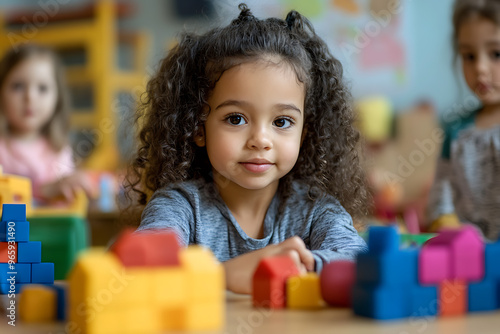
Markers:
point(336, 280)
point(4, 252)
point(269, 281)
point(147, 249)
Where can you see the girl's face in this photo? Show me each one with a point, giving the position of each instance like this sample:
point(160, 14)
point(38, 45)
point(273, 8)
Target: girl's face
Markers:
point(479, 48)
point(29, 96)
point(254, 129)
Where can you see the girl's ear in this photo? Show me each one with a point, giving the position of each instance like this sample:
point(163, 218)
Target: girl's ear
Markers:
point(199, 137)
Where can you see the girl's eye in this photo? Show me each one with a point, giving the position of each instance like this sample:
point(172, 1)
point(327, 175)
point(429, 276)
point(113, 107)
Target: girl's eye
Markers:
point(43, 88)
point(495, 54)
point(235, 119)
point(17, 85)
point(283, 123)
point(468, 57)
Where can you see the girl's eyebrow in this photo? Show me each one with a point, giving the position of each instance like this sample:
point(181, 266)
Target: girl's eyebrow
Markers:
point(238, 103)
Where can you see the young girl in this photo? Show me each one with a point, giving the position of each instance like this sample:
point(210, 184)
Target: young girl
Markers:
point(248, 144)
point(467, 176)
point(34, 123)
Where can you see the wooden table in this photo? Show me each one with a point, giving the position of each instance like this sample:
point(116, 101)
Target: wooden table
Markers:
point(242, 318)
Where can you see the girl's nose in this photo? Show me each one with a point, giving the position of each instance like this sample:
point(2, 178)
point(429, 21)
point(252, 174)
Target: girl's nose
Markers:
point(482, 64)
point(260, 139)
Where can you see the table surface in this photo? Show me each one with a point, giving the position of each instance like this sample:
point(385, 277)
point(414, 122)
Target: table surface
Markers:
point(242, 318)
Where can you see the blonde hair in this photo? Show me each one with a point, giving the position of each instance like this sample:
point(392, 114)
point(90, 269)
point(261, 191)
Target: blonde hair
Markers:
point(57, 128)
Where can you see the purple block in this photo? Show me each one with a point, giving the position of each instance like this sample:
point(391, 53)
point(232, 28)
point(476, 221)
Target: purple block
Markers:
point(434, 265)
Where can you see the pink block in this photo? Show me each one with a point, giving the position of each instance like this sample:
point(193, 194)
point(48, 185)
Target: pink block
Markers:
point(466, 249)
point(434, 265)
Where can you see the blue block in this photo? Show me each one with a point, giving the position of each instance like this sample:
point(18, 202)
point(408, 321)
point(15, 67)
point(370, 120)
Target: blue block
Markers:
point(424, 301)
point(483, 296)
point(42, 273)
point(14, 212)
point(61, 301)
point(381, 303)
point(14, 231)
point(491, 256)
point(20, 271)
point(6, 288)
point(397, 268)
point(383, 239)
point(29, 252)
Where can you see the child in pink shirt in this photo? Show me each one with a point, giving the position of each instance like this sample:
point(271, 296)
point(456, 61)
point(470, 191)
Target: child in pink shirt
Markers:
point(34, 123)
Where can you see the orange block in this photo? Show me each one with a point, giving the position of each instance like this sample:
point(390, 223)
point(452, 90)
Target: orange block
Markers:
point(6, 254)
point(147, 249)
point(452, 297)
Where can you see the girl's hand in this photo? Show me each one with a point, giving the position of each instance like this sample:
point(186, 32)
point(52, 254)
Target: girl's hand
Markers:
point(67, 187)
point(240, 270)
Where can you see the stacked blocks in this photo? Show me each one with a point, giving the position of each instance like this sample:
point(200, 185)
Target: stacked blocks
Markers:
point(451, 274)
point(166, 287)
point(269, 281)
point(20, 259)
point(386, 277)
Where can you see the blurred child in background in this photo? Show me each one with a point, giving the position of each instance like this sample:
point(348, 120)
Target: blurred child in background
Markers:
point(34, 123)
point(467, 181)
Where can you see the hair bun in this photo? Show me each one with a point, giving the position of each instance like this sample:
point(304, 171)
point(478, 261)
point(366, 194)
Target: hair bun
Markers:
point(294, 20)
point(245, 14)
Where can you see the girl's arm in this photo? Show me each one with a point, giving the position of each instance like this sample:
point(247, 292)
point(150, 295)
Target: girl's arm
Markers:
point(333, 236)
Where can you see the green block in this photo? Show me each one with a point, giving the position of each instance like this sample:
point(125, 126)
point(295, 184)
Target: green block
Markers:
point(62, 238)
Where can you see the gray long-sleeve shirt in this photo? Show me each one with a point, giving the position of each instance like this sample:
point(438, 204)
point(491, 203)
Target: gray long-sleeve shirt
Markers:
point(198, 214)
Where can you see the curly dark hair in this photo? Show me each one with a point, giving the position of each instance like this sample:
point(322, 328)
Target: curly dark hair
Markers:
point(175, 107)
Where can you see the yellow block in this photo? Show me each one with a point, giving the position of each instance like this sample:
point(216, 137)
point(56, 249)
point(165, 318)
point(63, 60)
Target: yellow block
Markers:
point(303, 292)
point(37, 303)
point(205, 275)
point(204, 316)
point(375, 117)
point(169, 287)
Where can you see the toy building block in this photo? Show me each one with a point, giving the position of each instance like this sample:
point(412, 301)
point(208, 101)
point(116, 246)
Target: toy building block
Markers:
point(159, 248)
point(380, 302)
point(15, 189)
point(382, 239)
point(466, 252)
point(434, 265)
point(204, 309)
point(452, 298)
point(396, 269)
point(483, 296)
point(61, 297)
point(424, 301)
point(14, 212)
point(42, 273)
point(106, 297)
point(37, 303)
point(19, 272)
point(8, 253)
point(17, 231)
point(269, 281)
point(336, 280)
point(304, 292)
point(62, 239)
point(29, 252)
point(10, 288)
point(491, 256)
